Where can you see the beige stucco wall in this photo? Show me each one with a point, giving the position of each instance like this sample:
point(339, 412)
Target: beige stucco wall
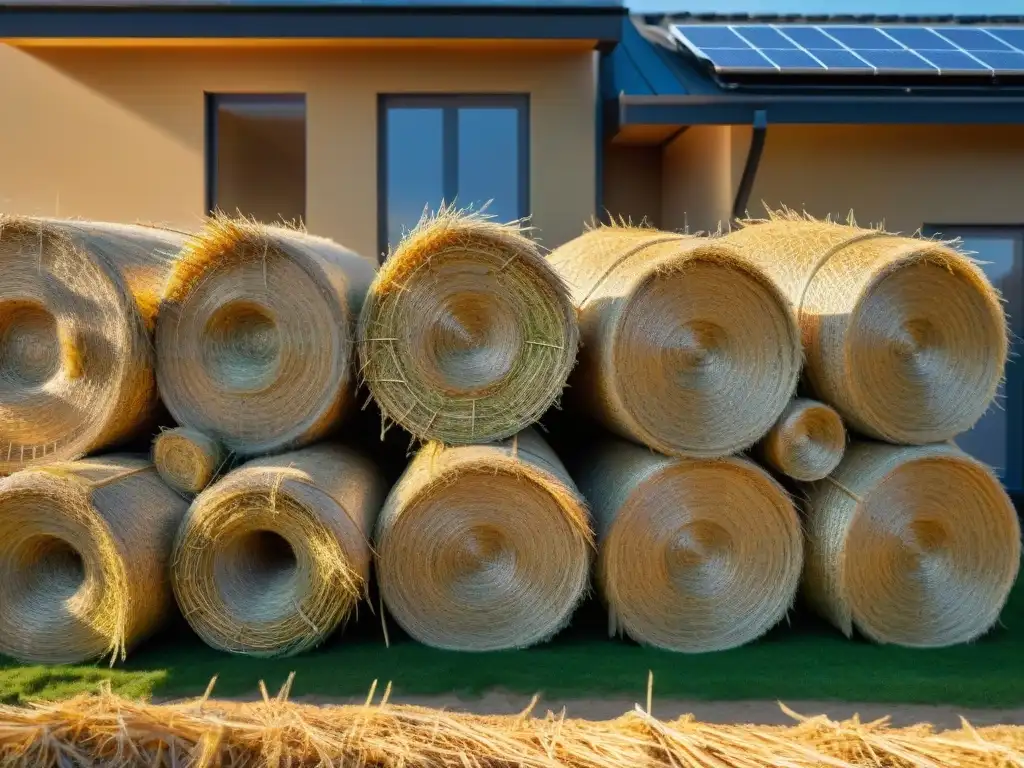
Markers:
point(118, 133)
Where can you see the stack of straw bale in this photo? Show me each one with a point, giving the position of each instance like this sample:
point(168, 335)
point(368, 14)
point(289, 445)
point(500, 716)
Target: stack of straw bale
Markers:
point(77, 305)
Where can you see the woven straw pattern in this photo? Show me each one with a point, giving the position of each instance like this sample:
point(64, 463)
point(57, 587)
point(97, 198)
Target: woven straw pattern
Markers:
point(467, 334)
point(914, 546)
point(77, 303)
point(806, 443)
point(186, 459)
point(905, 337)
point(686, 347)
point(273, 557)
point(84, 558)
point(482, 548)
point(694, 555)
point(255, 339)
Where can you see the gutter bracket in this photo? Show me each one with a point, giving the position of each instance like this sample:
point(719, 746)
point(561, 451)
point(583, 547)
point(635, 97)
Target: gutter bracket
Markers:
point(746, 186)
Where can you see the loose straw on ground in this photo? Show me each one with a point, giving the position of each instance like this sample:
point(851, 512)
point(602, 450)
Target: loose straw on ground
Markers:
point(806, 443)
point(187, 460)
point(77, 304)
point(904, 336)
point(255, 339)
point(107, 730)
point(467, 334)
point(686, 347)
point(84, 554)
point(484, 547)
point(912, 546)
point(273, 557)
point(694, 555)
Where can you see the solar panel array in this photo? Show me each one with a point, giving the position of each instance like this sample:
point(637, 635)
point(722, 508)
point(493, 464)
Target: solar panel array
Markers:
point(847, 49)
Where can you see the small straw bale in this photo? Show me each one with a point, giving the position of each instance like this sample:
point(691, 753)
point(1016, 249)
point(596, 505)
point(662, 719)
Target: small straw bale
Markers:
point(77, 305)
point(687, 348)
point(806, 443)
point(274, 556)
point(694, 555)
point(187, 460)
point(904, 336)
point(84, 557)
point(467, 334)
point(916, 546)
point(255, 338)
point(483, 548)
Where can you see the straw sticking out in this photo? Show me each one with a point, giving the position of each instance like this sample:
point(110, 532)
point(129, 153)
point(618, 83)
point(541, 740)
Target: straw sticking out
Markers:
point(255, 338)
point(695, 555)
point(905, 337)
point(77, 303)
point(186, 459)
point(806, 443)
point(83, 558)
point(272, 558)
point(913, 546)
point(484, 547)
point(467, 335)
point(686, 347)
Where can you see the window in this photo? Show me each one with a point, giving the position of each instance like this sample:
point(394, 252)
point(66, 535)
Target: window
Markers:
point(256, 155)
point(466, 150)
point(997, 438)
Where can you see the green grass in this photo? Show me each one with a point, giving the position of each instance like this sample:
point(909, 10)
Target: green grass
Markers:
point(804, 660)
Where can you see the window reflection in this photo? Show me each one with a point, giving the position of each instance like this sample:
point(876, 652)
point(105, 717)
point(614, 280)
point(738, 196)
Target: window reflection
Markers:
point(415, 166)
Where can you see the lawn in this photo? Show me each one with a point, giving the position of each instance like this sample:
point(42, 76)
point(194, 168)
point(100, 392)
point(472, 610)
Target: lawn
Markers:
point(805, 659)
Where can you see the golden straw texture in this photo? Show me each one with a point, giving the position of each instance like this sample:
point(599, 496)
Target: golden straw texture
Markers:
point(273, 557)
point(905, 337)
point(255, 339)
point(105, 730)
point(84, 557)
point(77, 303)
point(186, 459)
point(806, 443)
point(694, 555)
point(913, 546)
point(481, 548)
point(686, 347)
point(467, 334)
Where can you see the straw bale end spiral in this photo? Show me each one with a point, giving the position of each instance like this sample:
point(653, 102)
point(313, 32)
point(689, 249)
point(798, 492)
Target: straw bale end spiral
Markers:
point(187, 460)
point(806, 443)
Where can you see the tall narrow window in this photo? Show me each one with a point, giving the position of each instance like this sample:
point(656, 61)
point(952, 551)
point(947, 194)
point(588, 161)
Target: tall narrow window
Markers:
point(256, 155)
point(466, 150)
point(997, 438)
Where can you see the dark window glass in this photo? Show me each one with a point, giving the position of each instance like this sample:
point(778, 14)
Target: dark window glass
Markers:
point(415, 167)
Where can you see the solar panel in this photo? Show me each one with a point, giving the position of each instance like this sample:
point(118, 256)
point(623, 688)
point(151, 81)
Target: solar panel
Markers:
point(856, 49)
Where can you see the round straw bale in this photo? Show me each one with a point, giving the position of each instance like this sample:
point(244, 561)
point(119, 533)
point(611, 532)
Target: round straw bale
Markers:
point(274, 556)
point(806, 443)
point(694, 555)
point(912, 546)
point(467, 334)
point(482, 548)
point(904, 336)
point(255, 338)
point(686, 347)
point(77, 304)
point(84, 557)
point(186, 459)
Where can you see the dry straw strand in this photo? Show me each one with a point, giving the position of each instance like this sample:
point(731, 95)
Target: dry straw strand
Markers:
point(917, 546)
point(695, 555)
point(256, 335)
point(187, 460)
point(484, 547)
point(806, 443)
point(84, 558)
point(904, 336)
point(687, 348)
point(467, 335)
point(274, 556)
point(77, 306)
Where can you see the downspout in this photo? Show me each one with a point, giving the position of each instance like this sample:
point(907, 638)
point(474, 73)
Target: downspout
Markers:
point(739, 206)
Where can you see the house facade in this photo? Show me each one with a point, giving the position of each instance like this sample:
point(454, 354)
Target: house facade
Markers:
point(354, 117)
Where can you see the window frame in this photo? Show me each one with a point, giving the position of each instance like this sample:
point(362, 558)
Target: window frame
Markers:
point(1013, 386)
point(449, 104)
